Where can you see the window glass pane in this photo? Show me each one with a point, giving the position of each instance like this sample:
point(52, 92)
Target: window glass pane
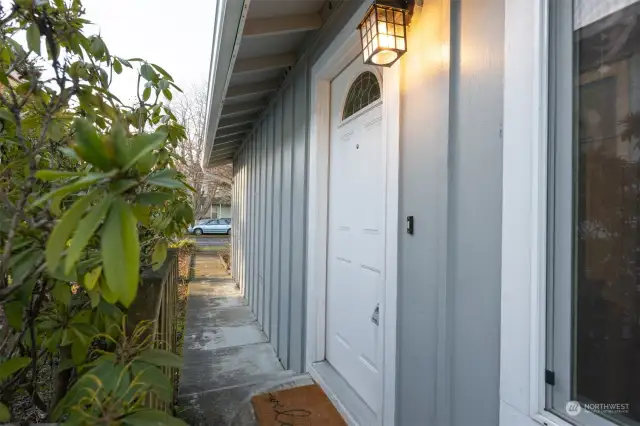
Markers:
point(364, 90)
point(606, 197)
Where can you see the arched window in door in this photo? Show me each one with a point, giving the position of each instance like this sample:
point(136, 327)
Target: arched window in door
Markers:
point(364, 91)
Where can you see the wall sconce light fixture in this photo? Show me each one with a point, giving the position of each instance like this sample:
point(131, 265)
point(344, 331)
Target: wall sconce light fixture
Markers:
point(383, 32)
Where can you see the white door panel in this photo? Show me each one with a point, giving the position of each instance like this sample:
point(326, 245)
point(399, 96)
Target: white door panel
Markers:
point(356, 233)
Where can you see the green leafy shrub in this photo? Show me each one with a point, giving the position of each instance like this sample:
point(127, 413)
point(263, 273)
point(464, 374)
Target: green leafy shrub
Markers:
point(187, 244)
point(89, 197)
point(186, 248)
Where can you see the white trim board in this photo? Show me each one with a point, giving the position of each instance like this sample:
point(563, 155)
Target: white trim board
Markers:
point(342, 395)
point(344, 48)
point(524, 213)
point(229, 14)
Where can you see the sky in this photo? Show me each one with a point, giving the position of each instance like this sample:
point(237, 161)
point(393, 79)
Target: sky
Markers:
point(177, 35)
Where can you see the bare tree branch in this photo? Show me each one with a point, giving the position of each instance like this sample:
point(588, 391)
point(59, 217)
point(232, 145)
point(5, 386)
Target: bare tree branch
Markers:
point(212, 186)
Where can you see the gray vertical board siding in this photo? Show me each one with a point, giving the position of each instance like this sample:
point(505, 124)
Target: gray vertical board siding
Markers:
point(242, 221)
point(249, 222)
point(286, 227)
point(298, 222)
point(240, 224)
point(234, 198)
point(255, 220)
point(266, 322)
point(475, 215)
point(259, 225)
point(422, 256)
point(253, 278)
point(237, 225)
point(243, 236)
point(275, 223)
point(245, 226)
point(271, 211)
point(235, 222)
point(450, 181)
point(257, 276)
point(245, 220)
point(231, 209)
point(263, 221)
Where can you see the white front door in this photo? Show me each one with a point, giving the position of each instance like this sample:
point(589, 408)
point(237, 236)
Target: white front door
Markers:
point(356, 230)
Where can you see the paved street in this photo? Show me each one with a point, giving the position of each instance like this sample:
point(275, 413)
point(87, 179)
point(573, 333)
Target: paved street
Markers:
point(211, 240)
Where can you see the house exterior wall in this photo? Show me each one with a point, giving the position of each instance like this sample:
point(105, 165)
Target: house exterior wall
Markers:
point(269, 240)
point(269, 207)
point(450, 181)
point(424, 131)
point(475, 206)
point(274, 158)
point(266, 233)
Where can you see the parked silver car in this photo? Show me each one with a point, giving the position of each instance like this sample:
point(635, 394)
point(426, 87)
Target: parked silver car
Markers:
point(211, 226)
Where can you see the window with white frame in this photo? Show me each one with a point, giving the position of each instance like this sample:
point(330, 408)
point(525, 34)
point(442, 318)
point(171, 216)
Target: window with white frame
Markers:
point(593, 306)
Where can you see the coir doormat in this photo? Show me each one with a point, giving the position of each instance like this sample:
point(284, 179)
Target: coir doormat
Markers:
point(303, 406)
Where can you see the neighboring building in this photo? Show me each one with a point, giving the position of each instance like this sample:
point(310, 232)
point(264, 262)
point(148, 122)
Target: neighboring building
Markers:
point(218, 210)
point(453, 240)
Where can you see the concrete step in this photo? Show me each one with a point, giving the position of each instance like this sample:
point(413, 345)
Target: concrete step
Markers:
point(232, 405)
point(228, 367)
point(227, 357)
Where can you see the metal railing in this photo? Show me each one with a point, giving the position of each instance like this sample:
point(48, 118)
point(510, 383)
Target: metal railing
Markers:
point(156, 302)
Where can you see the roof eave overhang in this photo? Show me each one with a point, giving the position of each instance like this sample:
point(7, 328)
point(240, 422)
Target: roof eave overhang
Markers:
point(227, 34)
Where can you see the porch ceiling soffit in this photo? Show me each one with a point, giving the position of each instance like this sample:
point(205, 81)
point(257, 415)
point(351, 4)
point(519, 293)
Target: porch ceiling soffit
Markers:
point(243, 108)
point(220, 162)
point(241, 120)
point(215, 155)
point(234, 109)
point(227, 139)
point(223, 153)
point(261, 27)
point(229, 131)
point(253, 89)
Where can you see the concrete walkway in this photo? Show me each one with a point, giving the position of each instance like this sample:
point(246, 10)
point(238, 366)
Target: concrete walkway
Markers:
point(227, 359)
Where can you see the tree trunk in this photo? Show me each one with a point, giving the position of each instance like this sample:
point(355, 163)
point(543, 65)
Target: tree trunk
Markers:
point(62, 380)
